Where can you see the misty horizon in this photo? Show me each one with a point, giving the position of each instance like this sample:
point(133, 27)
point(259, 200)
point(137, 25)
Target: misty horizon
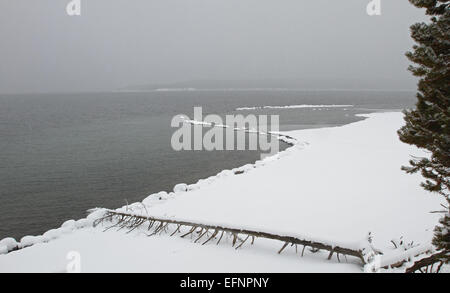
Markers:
point(115, 45)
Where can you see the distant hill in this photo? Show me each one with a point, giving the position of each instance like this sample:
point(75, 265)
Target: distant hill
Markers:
point(317, 84)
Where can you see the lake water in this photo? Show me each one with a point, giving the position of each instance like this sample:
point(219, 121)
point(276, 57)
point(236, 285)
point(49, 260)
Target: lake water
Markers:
point(62, 154)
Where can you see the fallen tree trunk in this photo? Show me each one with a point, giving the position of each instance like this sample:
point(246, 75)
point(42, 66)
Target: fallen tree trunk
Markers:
point(160, 225)
point(428, 263)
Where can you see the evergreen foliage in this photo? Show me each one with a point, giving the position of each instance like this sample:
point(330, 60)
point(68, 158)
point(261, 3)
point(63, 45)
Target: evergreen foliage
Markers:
point(427, 125)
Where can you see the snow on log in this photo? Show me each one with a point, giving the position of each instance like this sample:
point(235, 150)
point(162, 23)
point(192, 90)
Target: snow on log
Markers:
point(159, 225)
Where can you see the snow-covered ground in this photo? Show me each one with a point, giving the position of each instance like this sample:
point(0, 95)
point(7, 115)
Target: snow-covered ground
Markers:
point(338, 186)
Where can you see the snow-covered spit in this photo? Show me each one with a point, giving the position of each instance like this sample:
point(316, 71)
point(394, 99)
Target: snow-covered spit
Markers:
point(335, 185)
point(314, 107)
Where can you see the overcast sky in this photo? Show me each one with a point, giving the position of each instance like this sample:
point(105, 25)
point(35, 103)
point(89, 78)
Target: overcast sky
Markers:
point(115, 43)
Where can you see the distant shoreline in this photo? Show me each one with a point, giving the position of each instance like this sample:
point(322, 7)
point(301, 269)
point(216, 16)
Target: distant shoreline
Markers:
point(256, 89)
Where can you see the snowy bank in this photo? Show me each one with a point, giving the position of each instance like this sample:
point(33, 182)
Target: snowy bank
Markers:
point(345, 182)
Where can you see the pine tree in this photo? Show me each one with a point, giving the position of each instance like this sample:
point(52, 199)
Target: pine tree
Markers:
point(427, 125)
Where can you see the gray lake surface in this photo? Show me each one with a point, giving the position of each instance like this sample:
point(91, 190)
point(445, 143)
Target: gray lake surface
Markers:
point(62, 154)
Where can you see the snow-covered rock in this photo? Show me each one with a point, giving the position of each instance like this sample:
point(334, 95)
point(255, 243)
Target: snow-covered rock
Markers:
point(70, 224)
point(9, 243)
point(27, 241)
point(226, 173)
point(181, 187)
point(52, 234)
point(83, 223)
point(162, 195)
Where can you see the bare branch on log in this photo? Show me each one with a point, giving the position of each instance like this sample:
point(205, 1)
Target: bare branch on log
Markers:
point(192, 230)
point(212, 236)
point(243, 242)
point(201, 235)
point(331, 254)
point(234, 239)
point(282, 248)
point(178, 229)
point(221, 235)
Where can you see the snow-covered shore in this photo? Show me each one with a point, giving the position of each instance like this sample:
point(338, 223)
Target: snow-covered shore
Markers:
point(341, 184)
